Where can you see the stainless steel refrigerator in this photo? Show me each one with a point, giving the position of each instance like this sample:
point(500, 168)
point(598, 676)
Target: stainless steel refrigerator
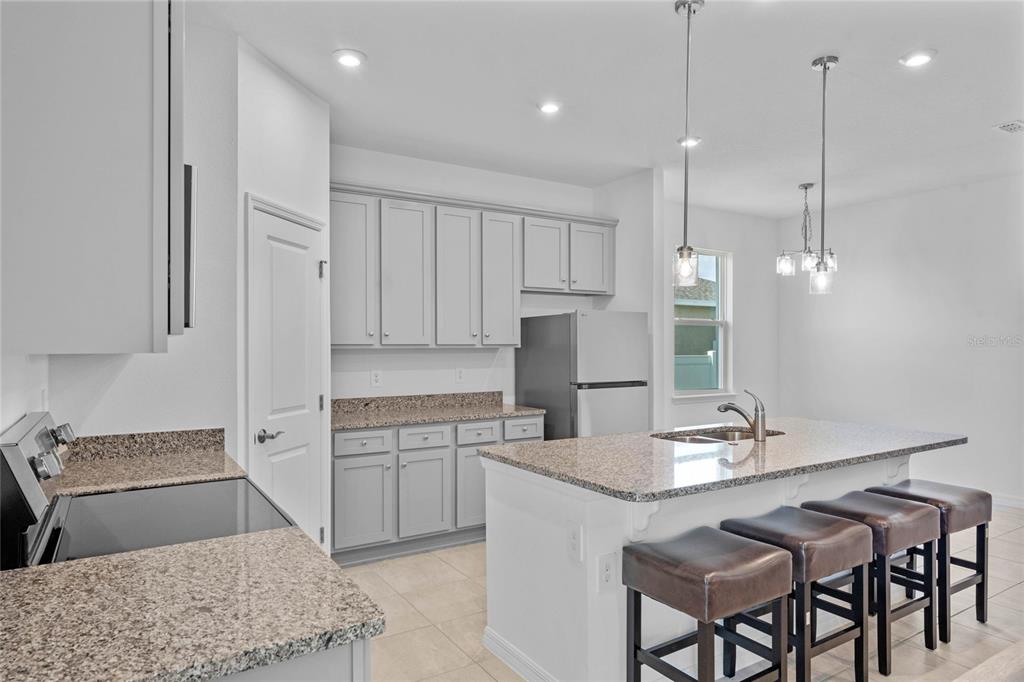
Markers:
point(588, 369)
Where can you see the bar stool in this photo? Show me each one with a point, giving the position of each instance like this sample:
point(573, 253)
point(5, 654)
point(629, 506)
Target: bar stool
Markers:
point(959, 509)
point(896, 525)
point(820, 546)
point(707, 574)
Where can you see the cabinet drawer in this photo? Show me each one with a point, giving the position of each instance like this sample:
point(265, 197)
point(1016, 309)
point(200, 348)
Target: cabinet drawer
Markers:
point(362, 442)
point(479, 432)
point(416, 437)
point(527, 427)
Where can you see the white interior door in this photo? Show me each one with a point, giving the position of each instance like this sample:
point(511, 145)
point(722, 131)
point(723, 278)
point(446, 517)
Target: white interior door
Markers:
point(285, 338)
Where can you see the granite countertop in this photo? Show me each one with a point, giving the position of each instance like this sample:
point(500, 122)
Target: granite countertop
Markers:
point(378, 412)
point(640, 468)
point(181, 612)
point(103, 464)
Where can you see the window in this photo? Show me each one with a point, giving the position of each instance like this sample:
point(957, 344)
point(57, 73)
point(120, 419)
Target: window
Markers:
point(702, 328)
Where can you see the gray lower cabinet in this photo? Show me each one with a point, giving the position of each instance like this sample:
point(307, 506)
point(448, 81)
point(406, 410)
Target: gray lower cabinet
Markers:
point(364, 500)
point(424, 492)
point(469, 488)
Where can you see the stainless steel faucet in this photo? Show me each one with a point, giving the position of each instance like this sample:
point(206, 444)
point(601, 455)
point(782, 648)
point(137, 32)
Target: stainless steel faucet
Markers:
point(756, 422)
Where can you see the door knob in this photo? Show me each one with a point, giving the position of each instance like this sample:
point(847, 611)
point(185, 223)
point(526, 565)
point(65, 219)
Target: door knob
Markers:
point(262, 436)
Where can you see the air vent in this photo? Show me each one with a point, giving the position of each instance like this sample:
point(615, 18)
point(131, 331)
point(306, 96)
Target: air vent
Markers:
point(1011, 126)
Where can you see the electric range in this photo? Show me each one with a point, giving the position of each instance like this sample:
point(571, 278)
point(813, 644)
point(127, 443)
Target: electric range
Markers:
point(37, 530)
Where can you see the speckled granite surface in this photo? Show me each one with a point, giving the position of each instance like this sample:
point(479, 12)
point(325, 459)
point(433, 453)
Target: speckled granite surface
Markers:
point(380, 412)
point(183, 612)
point(102, 464)
point(640, 468)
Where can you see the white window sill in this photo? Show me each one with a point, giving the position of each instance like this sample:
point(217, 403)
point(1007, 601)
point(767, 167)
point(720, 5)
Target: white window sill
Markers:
point(685, 398)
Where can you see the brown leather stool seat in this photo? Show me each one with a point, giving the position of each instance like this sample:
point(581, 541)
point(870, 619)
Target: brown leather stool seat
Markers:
point(820, 546)
point(896, 525)
point(707, 574)
point(959, 509)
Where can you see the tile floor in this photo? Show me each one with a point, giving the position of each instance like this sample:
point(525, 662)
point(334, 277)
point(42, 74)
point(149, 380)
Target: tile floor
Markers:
point(436, 610)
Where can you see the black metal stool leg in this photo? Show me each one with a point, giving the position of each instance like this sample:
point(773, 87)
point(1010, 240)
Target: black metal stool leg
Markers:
point(945, 614)
point(911, 565)
point(930, 621)
point(801, 626)
point(860, 607)
point(729, 650)
point(705, 652)
point(981, 558)
point(780, 635)
point(632, 635)
point(883, 612)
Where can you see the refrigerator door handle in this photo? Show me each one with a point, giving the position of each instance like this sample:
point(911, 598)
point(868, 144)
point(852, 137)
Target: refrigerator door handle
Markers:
point(607, 384)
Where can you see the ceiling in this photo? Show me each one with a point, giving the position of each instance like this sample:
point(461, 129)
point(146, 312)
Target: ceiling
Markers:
point(459, 82)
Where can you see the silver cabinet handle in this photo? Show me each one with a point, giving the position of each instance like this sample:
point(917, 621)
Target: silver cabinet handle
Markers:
point(487, 334)
point(405, 464)
point(479, 433)
point(369, 333)
point(363, 443)
point(262, 436)
point(575, 280)
point(563, 279)
point(475, 335)
point(525, 428)
point(426, 436)
point(387, 333)
point(387, 467)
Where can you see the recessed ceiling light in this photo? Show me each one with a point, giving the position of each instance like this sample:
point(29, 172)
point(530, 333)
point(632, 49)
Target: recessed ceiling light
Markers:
point(688, 142)
point(550, 107)
point(350, 58)
point(917, 58)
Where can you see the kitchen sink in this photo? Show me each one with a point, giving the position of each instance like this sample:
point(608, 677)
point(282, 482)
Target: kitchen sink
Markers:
point(723, 436)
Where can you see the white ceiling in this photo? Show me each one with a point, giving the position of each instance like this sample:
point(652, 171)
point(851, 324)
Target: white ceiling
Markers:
point(459, 82)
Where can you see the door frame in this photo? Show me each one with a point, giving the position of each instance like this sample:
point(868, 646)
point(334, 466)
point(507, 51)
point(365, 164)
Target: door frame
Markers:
point(254, 203)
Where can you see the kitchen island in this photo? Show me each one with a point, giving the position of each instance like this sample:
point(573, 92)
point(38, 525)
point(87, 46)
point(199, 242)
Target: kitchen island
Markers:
point(559, 512)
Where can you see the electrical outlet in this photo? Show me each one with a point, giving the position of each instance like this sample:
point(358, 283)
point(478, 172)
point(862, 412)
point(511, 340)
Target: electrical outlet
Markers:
point(376, 378)
point(606, 572)
point(460, 375)
point(575, 545)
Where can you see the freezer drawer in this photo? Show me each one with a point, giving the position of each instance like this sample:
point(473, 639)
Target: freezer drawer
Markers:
point(478, 432)
point(527, 427)
point(601, 411)
point(361, 442)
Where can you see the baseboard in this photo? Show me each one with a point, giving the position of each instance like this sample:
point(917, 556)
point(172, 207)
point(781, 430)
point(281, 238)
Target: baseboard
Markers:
point(522, 664)
point(1008, 501)
point(391, 550)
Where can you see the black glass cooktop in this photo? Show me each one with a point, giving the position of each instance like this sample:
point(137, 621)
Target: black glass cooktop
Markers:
point(94, 525)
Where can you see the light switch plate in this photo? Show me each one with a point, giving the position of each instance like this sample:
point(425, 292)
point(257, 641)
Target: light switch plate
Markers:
point(460, 375)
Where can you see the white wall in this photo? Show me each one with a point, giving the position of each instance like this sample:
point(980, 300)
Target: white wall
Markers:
point(23, 386)
point(754, 338)
point(434, 370)
point(919, 276)
point(192, 385)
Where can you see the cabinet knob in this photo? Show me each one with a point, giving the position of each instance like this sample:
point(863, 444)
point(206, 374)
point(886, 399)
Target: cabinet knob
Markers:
point(426, 436)
point(387, 467)
point(525, 428)
point(474, 335)
point(387, 333)
point(574, 281)
point(405, 464)
point(563, 279)
point(487, 335)
point(479, 433)
point(363, 443)
point(369, 333)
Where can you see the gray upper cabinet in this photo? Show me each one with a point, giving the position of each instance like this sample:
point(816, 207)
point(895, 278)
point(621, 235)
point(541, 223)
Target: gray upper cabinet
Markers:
point(364, 500)
point(355, 269)
point(458, 277)
point(590, 258)
point(424, 492)
point(502, 257)
point(93, 198)
point(407, 273)
point(545, 254)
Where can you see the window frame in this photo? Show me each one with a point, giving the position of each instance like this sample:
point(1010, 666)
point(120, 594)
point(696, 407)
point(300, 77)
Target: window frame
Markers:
point(724, 325)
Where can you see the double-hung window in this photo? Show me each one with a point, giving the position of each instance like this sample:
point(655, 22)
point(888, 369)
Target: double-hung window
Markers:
point(701, 329)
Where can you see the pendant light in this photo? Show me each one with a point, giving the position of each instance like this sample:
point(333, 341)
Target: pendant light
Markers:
point(823, 275)
point(684, 269)
point(785, 263)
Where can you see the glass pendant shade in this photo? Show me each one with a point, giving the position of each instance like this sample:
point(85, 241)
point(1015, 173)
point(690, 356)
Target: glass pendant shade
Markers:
point(785, 265)
point(685, 267)
point(808, 261)
point(831, 260)
point(821, 280)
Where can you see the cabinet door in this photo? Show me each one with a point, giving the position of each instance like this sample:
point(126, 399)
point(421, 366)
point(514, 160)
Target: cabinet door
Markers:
point(355, 270)
point(364, 500)
point(590, 258)
point(424, 492)
point(545, 254)
point(502, 257)
point(458, 277)
point(406, 273)
point(469, 488)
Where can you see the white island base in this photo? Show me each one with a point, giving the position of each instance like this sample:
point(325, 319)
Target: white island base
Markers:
point(556, 607)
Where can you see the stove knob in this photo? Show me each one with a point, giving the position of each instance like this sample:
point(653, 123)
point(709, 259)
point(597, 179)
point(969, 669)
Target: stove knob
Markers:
point(64, 434)
point(42, 471)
